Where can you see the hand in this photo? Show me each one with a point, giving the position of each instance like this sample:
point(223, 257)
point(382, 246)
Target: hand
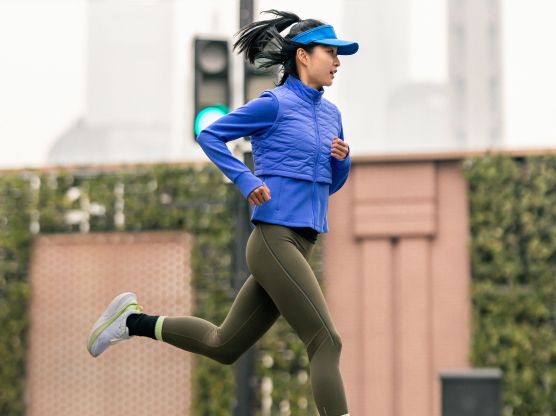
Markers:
point(340, 148)
point(259, 195)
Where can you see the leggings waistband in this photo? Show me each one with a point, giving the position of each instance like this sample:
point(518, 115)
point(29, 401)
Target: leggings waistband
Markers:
point(306, 232)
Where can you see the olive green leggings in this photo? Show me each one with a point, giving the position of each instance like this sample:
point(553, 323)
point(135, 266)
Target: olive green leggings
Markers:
point(281, 282)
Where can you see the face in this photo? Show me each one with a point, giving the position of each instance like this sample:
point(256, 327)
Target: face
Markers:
point(319, 66)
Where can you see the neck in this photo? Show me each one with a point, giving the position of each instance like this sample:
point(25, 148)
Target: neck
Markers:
point(305, 79)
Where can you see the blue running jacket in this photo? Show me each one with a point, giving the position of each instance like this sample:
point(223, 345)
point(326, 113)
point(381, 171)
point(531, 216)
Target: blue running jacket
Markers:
point(291, 128)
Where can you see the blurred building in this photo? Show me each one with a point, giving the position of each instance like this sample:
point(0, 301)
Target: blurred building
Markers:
point(139, 77)
point(417, 118)
point(476, 73)
point(367, 81)
point(139, 81)
point(389, 111)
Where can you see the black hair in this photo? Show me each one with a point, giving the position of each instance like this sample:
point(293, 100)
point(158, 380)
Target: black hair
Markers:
point(262, 42)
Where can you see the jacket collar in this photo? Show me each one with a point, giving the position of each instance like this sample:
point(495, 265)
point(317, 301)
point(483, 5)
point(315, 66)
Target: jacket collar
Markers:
point(303, 91)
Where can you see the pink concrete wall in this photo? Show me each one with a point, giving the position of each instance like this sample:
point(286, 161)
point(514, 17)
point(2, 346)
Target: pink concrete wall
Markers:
point(74, 276)
point(397, 282)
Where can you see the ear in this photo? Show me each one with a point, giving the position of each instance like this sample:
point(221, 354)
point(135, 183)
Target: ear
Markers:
point(302, 56)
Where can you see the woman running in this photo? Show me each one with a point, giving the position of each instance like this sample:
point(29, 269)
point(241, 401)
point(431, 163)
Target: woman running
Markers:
point(300, 159)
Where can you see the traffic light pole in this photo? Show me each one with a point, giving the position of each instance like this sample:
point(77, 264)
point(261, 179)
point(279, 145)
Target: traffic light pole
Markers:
point(245, 365)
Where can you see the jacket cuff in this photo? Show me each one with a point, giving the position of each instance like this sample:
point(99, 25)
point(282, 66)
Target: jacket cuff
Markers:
point(342, 164)
point(247, 182)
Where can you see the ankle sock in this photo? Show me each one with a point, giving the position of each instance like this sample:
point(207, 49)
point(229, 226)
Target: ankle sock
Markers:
point(142, 324)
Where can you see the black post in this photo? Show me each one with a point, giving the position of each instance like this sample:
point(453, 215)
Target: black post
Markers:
point(245, 366)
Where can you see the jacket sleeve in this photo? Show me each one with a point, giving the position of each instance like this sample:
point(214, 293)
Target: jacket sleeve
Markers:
point(340, 168)
point(253, 118)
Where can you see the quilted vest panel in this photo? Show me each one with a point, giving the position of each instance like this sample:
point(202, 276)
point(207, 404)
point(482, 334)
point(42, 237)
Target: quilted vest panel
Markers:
point(298, 144)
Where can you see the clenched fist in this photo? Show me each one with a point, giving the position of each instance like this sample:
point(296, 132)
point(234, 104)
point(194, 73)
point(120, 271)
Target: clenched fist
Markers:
point(339, 149)
point(259, 195)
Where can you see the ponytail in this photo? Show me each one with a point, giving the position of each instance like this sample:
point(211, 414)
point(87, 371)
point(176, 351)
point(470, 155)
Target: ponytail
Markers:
point(263, 42)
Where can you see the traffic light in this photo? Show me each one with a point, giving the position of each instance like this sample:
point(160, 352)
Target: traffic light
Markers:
point(212, 82)
point(256, 80)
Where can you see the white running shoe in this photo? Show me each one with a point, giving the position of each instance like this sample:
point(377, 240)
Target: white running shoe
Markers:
point(111, 327)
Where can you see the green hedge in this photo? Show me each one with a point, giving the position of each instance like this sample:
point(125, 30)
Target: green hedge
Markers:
point(194, 199)
point(513, 256)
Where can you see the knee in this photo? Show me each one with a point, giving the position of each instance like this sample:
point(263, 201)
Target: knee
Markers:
point(219, 350)
point(336, 341)
point(333, 346)
point(226, 359)
point(326, 344)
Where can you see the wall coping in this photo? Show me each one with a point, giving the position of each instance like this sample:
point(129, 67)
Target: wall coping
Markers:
point(448, 155)
point(363, 159)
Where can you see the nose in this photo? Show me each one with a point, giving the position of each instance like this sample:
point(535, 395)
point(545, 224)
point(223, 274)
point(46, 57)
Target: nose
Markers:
point(337, 61)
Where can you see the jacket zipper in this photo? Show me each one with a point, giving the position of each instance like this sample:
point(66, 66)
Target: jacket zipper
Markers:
point(316, 160)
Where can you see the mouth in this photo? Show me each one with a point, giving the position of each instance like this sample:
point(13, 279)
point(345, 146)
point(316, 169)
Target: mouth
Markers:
point(333, 72)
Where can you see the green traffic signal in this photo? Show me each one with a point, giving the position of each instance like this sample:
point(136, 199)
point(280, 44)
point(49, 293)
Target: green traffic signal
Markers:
point(209, 115)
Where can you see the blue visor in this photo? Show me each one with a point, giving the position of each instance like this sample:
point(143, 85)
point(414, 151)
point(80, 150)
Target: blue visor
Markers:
point(325, 35)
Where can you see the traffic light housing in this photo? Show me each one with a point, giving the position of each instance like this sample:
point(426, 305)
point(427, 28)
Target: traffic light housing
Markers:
point(256, 80)
point(212, 82)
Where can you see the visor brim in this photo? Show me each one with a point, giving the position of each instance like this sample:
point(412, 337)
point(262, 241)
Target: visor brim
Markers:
point(345, 47)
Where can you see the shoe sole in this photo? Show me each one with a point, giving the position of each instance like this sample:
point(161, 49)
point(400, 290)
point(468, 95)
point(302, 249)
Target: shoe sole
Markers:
point(118, 306)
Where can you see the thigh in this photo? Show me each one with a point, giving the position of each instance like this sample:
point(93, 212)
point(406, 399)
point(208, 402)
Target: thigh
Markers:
point(277, 263)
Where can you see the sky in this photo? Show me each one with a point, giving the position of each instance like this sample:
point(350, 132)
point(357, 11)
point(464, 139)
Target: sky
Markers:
point(42, 70)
